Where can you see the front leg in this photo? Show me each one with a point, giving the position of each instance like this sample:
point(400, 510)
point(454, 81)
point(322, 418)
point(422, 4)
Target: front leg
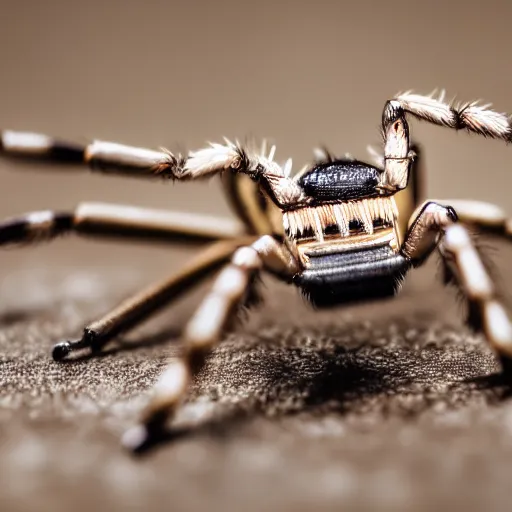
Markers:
point(114, 158)
point(437, 226)
point(204, 330)
point(469, 116)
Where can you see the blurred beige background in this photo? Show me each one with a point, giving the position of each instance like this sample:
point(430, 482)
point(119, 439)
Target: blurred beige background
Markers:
point(177, 74)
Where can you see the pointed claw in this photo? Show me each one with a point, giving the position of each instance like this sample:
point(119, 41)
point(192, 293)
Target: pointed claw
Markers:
point(61, 350)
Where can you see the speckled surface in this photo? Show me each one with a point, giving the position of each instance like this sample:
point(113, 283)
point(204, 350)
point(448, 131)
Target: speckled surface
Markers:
point(385, 406)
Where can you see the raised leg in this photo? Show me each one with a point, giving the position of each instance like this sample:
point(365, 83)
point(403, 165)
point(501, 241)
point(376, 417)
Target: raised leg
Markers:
point(118, 221)
point(436, 226)
point(468, 116)
point(205, 329)
point(408, 199)
point(111, 157)
point(138, 308)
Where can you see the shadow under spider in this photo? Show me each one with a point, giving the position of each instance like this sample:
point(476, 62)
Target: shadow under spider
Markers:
point(335, 383)
point(410, 379)
point(333, 375)
point(499, 383)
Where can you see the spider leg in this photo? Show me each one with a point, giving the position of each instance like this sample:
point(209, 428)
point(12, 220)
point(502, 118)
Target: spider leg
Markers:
point(436, 226)
point(99, 219)
point(487, 217)
point(98, 156)
point(249, 203)
point(205, 329)
point(134, 310)
point(409, 199)
point(111, 157)
point(475, 118)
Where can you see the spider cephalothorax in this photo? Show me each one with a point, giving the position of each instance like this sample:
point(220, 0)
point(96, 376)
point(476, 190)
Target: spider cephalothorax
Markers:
point(341, 230)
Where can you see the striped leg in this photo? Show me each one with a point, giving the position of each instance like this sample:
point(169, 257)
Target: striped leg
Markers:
point(118, 221)
point(99, 155)
point(138, 308)
point(464, 269)
point(132, 161)
point(487, 314)
point(205, 329)
point(470, 116)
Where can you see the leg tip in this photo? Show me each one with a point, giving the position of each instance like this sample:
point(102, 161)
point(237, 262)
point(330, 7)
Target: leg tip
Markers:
point(61, 350)
point(136, 438)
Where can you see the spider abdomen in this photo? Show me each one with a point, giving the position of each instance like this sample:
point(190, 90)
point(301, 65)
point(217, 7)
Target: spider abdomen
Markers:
point(351, 276)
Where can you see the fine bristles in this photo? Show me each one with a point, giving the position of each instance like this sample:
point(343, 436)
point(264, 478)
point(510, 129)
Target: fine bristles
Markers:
point(215, 158)
point(377, 157)
point(322, 155)
point(480, 119)
point(287, 169)
point(428, 108)
point(473, 116)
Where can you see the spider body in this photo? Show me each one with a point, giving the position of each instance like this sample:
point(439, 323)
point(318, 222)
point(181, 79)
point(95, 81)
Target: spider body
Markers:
point(347, 238)
point(341, 231)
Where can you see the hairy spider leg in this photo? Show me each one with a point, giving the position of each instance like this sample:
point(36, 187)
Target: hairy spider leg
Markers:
point(437, 226)
point(206, 327)
point(111, 157)
point(471, 116)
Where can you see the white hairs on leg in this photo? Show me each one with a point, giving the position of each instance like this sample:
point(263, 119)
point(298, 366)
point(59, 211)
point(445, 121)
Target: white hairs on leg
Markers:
point(472, 116)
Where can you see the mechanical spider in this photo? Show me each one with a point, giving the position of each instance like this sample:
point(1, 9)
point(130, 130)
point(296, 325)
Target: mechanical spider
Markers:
point(338, 230)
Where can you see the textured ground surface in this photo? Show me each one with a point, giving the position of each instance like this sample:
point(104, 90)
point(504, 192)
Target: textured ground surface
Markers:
point(378, 407)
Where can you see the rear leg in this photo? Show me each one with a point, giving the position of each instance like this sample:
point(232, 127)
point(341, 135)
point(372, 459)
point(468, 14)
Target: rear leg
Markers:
point(132, 223)
point(135, 310)
point(99, 219)
point(437, 226)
